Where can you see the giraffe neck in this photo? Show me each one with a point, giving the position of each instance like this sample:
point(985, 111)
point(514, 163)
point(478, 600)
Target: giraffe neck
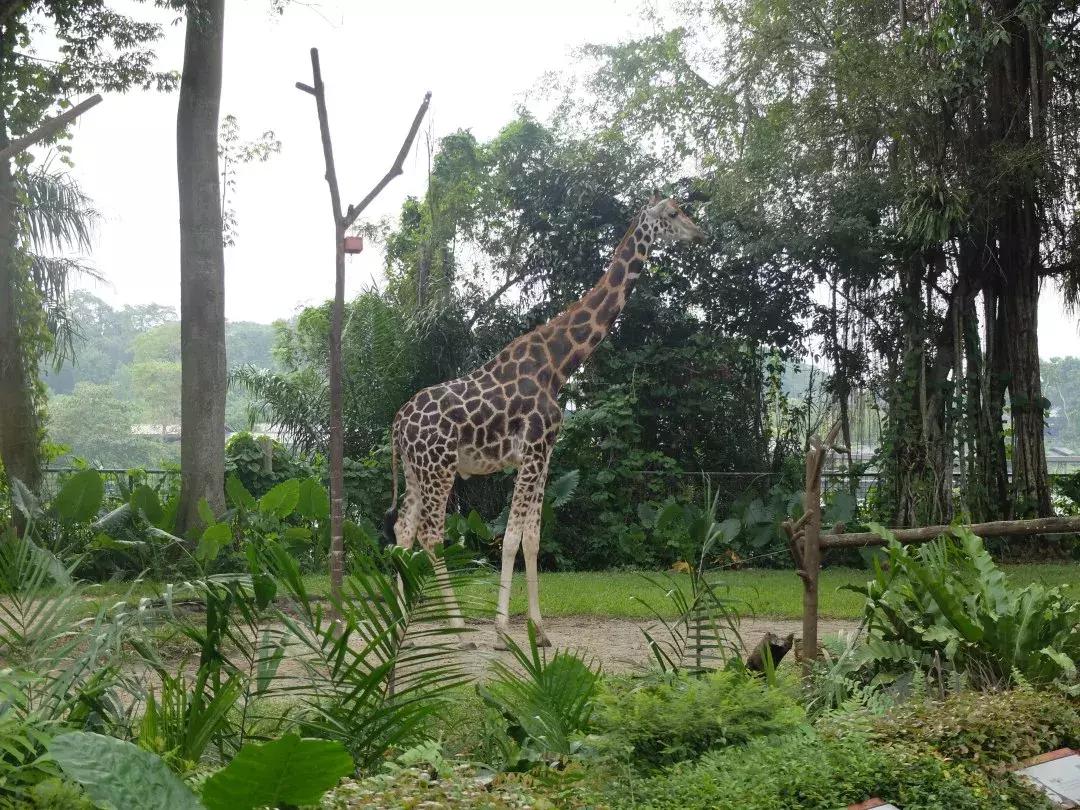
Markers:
point(575, 333)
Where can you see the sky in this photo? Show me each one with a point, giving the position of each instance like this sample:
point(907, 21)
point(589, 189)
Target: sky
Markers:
point(480, 59)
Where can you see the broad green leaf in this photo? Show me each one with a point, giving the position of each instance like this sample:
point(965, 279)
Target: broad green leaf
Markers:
point(117, 774)
point(1068, 666)
point(24, 500)
point(146, 500)
point(313, 501)
point(297, 533)
point(282, 499)
point(478, 526)
point(215, 537)
point(288, 771)
point(80, 498)
point(238, 493)
point(206, 514)
point(729, 529)
point(562, 488)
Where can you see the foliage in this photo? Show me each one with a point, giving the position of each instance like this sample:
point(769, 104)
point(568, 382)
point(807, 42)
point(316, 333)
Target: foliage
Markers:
point(63, 669)
point(460, 787)
point(705, 630)
point(116, 773)
point(673, 717)
point(806, 771)
point(948, 605)
point(286, 771)
point(231, 152)
point(124, 372)
point(547, 707)
point(245, 458)
point(344, 691)
point(989, 729)
point(94, 424)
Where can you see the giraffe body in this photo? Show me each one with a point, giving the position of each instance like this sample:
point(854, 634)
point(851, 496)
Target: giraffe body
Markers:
point(505, 414)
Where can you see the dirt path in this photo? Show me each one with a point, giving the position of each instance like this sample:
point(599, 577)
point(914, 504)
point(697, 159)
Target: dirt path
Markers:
point(618, 644)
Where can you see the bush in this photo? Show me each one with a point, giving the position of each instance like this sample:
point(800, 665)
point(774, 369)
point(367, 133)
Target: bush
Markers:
point(679, 717)
point(244, 459)
point(805, 770)
point(987, 728)
point(947, 605)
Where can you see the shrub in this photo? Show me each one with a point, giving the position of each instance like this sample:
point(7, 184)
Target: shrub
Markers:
point(991, 728)
point(948, 605)
point(547, 707)
point(677, 717)
point(812, 772)
point(244, 459)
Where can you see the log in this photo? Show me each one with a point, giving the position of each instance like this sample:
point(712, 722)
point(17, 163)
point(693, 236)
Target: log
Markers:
point(996, 528)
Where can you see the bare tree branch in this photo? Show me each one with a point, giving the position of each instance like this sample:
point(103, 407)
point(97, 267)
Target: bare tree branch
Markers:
point(398, 167)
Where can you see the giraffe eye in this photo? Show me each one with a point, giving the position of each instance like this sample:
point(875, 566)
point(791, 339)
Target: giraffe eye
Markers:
point(673, 214)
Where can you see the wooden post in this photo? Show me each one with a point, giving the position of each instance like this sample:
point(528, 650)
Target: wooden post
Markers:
point(811, 560)
point(343, 220)
point(804, 542)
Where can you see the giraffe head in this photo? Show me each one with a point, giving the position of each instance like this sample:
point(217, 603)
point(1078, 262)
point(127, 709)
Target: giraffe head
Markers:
point(669, 221)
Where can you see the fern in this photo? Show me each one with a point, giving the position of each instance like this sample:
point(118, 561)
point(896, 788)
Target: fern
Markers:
point(549, 704)
point(373, 677)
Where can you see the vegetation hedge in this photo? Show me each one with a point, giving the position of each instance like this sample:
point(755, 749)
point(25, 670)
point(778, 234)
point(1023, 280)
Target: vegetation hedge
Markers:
point(987, 728)
point(678, 717)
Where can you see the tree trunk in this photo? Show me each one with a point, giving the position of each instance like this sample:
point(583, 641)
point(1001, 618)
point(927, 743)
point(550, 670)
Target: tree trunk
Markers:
point(1014, 114)
point(1030, 482)
point(202, 266)
point(18, 416)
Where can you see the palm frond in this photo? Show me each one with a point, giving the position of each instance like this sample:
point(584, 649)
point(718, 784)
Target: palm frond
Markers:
point(372, 678)
point(58, 215)
point(296, 402)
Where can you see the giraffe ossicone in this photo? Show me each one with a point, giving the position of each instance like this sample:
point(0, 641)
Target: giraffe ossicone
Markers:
point(506, 414)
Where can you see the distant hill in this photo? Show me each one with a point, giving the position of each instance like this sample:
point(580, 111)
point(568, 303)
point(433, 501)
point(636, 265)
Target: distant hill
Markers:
point(126, 372)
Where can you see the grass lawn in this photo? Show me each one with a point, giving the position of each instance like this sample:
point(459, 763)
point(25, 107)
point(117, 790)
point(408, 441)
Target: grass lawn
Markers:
point(768, 593)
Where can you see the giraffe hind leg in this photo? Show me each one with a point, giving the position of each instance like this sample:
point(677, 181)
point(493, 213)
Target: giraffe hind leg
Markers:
point(435, 492)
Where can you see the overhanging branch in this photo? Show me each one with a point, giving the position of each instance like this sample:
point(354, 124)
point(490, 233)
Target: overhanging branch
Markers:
point(49, 127)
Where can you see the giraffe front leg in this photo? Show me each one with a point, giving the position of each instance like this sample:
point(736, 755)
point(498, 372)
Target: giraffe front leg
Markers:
point(511, 542)
point(515, 525)
point(531, 547)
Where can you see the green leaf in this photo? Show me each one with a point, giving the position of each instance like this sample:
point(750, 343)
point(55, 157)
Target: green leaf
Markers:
point(1068, 666)
point(313, 501)
point(146, 500)
point(206, 514)
point(562, 488)
point(282, 499)
point(80, 497)
point(289, 771)
point(215, 537)
point(117, 774)
point(297, 533)
point(24, 500)
point(729, 530)
point(238, 493)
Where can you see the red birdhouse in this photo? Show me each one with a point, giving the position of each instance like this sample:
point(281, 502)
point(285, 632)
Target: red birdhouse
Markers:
point(354, 244)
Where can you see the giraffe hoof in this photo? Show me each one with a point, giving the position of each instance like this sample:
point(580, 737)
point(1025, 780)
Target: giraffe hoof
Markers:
point(466, 645)
point(541, 638)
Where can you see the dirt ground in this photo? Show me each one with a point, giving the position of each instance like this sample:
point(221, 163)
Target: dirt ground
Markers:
point(617, 644)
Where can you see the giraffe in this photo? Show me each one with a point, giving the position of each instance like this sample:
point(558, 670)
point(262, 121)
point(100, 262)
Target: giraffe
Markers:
point(505, 414)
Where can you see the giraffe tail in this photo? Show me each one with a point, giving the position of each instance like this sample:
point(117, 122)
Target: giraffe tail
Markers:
point(389, 535)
